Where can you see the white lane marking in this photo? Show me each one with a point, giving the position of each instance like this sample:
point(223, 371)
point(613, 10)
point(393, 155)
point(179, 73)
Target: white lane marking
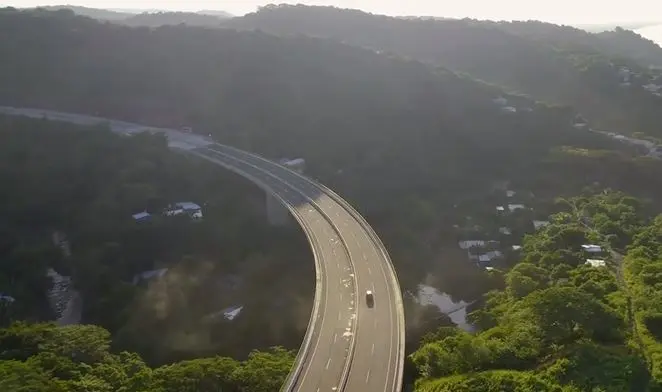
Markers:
point(338, 316)
point(328, 362)
point(369, 271)
point(335, 337)
point(367, 376)
point(341, 295)
point(365, 257)
point(373, 349)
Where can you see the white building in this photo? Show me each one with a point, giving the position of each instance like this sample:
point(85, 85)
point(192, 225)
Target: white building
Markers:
point(505, 231)
point(595, 262)
point(653, 88)
point(592, 248)
point(515, 207)
point(232, 312)
point(510, 193)
point(141, 216)
point(500, 209)
point(7, 298)
point(185, 207)
point(509, 109)
point(501, 101)
point(471, 244)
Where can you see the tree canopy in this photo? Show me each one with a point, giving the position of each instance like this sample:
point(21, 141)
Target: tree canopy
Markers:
point(557, 326)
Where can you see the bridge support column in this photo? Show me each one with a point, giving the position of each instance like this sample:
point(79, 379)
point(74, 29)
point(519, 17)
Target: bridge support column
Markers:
point(277, 213)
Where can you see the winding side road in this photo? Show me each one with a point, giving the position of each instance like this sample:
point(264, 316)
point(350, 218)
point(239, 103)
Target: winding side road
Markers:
point(348, 346)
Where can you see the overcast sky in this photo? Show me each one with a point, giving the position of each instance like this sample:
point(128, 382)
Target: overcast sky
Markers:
point(558, 11)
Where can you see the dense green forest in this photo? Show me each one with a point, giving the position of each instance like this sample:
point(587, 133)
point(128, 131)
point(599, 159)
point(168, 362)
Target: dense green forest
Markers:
point(415, 147)
point(558, 324)
point(45, 358)
point(549, 62)
point(86, 183)
point(403, 141)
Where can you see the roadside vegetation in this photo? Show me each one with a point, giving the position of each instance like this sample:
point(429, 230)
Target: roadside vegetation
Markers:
point(559, 323)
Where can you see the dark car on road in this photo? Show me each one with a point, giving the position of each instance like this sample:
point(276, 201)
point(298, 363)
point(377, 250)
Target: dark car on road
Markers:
point(369, 298)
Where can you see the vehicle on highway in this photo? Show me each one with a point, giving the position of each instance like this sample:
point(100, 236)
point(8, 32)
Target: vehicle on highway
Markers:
point(369, 298)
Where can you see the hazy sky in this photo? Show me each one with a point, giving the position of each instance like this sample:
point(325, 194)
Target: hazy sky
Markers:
point(559, 11)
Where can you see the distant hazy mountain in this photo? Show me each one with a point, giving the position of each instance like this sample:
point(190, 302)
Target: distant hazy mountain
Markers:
point(598, 28)
point(147, 17)
point(96, 13)
point(220, 14)
point(560, 64)
point(173, 18)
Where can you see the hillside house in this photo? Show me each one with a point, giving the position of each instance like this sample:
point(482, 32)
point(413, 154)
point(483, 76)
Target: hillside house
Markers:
point(596, 262)
point(501, 101)
point(232, 312)
point(7, 298)
point(471, 244)
point(592, 248)
point(193, 210)
point(142, 216)
point(515, 207)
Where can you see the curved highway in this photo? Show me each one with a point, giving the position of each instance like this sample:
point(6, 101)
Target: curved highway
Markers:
point(348, 346)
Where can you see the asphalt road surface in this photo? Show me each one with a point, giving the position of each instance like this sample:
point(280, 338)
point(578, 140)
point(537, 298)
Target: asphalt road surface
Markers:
point(348, 347)
point(377, 361)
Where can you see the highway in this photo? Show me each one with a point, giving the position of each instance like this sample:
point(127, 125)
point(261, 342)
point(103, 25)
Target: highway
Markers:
point(348, 346)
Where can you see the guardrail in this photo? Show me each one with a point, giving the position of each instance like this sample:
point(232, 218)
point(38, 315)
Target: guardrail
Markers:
point(394, 277)
point(379, 244)
point(305, 346)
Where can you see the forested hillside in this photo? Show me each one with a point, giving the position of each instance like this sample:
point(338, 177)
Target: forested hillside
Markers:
point(84, 185)
point(552, 63)
point(417, 148)
point(155, 19)
point(560, 324)
point(45, 358)
point(402, 140)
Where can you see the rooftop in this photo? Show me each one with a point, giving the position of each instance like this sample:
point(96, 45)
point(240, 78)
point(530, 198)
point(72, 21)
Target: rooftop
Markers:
point(513, 207)
point(595, 262)
point(188, 206)
point(471, 243)
point(592, 248)
point(232, 312)
point(6, 298)
point(141, 215)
